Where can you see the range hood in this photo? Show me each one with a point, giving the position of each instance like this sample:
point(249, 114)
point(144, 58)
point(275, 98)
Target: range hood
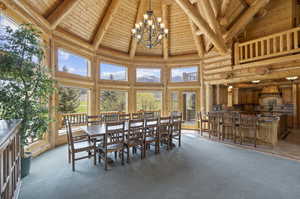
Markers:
point(270, 91)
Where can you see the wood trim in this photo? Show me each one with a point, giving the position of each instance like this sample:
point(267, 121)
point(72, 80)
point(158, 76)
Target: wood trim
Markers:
point(165, 14)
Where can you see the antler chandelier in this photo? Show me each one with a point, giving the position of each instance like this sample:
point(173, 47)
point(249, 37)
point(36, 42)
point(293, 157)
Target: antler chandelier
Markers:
point(151, 31)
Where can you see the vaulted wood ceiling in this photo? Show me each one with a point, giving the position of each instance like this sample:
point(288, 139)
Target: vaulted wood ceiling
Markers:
point(195, 26)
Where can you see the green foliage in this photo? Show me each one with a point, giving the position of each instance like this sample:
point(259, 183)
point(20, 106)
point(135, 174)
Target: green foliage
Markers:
point(69, 99)
point(25, 83)
point(148, 102)
point(113, 101)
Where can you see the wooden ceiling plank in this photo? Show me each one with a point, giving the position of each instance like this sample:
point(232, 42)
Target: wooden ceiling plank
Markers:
point(195, 16)
point(198, 40)
point(165, 14)
point(245, 19)
point(62, 11)
point(107, 19)
point(139, 17)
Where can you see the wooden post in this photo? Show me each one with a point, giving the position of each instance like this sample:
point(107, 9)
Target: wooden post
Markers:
point(236, 53)
point(202, 89)
point(94, 92)
point(218, 95)
point(236, 96)
point(295, 100)
point(209, 97)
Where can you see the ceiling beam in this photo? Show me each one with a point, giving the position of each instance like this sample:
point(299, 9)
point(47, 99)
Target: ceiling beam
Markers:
point(107, 19)
point(224, 8)
point(216, 7)
point(245, 19)
point(62, 11)
point(198, 40)
point(29, 10)
point(210, 17)
point(165, 14)
point(139, 17)
point(195, 16)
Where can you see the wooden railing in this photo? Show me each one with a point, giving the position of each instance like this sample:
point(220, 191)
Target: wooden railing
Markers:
point(274, 45)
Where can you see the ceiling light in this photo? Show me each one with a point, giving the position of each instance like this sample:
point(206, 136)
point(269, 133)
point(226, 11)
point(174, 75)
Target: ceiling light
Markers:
point(255, 81)
point(292, 78)
point(230, 87)
point(151, 31)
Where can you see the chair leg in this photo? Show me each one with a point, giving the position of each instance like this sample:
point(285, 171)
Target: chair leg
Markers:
point(95, 157)
point(116, 155)
point(255, 138)
point(179, 141)
point(73, 162)
point(122, 156)
point(105, 159)
point(69, 156)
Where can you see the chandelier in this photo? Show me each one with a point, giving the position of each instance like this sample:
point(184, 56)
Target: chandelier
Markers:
point(151, 31)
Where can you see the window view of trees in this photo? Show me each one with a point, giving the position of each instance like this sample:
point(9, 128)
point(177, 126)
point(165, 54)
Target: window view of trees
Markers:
point(148, 75)
point(185, 74)
point(149, 100)
point(73, 100)
point(113, 72)
point(113, 101)
point(4, 23)
point(175, 101)
point(71, 63)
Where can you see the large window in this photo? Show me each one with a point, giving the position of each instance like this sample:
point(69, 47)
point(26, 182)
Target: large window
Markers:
point(113, 72)
point(71, 63)
point(6, 22)
point(113, 101)
point(148, 74)
point(73, 100)
point(149, 100)
point(186, 74)
point(174, 101)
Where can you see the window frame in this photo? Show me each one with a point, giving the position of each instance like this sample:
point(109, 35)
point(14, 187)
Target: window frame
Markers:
point(184, 82)
point(149, 68)
point(89, 66)
point(117, 65)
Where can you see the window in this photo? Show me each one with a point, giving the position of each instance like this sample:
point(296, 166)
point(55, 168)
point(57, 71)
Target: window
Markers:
point(186, 74)
point(113, 72)
point(73, 100)
point(149, 100)
point(148, 74)
point(6, 22)
point(71, 63)
point(113, 101)
point(174, 101)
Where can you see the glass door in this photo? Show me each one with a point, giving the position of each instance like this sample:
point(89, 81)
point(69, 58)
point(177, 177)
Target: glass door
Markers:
point(189, 109)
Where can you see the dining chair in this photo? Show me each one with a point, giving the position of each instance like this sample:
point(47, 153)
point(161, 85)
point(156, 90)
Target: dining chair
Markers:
point(138, 115)
point(165, 131)
point(151, 134)
point(124, 117)
point(110, 117)
point(202, 122)
point(176, 129)
point(79, 144)
point(250, 123)
point(149, 114)
point(94, 119)
point(114, 140)
point(135, 137)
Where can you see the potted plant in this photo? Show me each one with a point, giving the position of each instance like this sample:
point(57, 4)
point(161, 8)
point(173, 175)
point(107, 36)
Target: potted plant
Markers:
point(25, 85)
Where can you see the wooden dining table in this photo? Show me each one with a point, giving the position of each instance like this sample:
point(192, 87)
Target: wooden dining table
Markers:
point(98, 130)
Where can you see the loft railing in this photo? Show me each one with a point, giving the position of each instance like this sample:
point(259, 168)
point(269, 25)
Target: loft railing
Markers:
point(274, 45)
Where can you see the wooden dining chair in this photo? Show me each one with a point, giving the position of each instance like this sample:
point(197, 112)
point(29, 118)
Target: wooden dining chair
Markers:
point(151, 135)
point(79, 144)
point(165, 131)
point(124, 117)
point(135, 137)
point(113, 142)
point(138, 115)
point(250, 124)
point(93, 120)
point(149, 114)
point(202, 122)
point(176, 130)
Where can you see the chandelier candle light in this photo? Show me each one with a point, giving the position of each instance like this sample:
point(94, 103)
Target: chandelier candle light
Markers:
point(151, 31)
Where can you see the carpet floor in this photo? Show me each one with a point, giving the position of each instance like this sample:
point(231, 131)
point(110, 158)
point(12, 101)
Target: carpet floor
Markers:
point(200, 169)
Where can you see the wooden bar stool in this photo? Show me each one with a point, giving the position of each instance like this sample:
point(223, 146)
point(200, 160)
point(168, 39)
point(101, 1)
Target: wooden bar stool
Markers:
point(213, 124)
point(250, 123)
point(202, 122)
point(228, 126)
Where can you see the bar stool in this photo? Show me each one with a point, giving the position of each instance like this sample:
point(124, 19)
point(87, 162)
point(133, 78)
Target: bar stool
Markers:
point(213, 124)
point(228, 126)
point(202, 122)
point(250, 123)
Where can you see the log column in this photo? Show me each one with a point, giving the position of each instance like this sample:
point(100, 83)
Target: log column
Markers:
point(209, 97)
point(202, 89)
point(94, 92)
point(295, 100)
